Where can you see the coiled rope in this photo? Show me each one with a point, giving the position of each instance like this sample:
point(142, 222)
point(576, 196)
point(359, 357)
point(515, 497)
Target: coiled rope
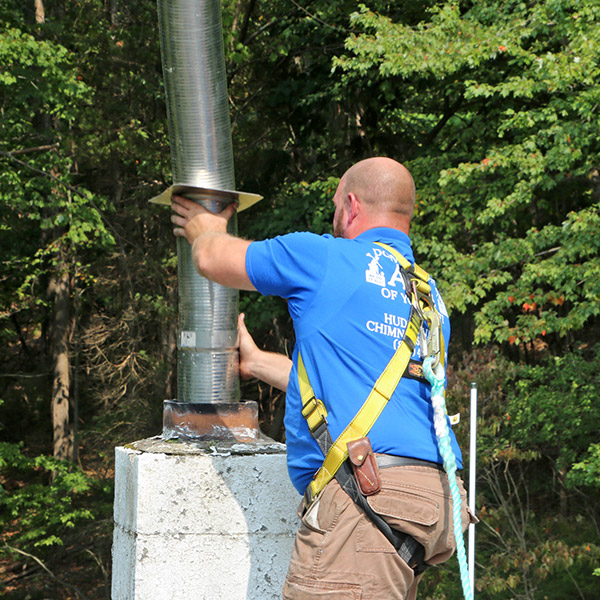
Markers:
point(435, 376)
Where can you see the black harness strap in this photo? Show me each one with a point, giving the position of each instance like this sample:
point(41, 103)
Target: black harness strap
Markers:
point(409, 550)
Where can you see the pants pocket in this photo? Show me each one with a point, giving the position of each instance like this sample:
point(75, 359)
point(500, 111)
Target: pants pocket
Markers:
point(300, 588)
point(324, 512)
point(310, 518)
point(472, 519)
point(405, 510)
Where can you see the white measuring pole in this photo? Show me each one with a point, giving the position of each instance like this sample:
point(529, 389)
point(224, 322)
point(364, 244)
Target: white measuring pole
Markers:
point(472, 476)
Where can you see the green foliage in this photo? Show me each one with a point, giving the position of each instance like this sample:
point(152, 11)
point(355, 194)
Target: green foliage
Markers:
point(553, 408)
point(499, 102)
point(45, 503)
point(301, 206)
point(43, 93)
point(82, 149)
point(538, 517)
point(587, 472)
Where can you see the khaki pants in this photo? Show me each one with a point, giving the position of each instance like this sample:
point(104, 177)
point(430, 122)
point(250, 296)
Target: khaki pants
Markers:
point(340, 555)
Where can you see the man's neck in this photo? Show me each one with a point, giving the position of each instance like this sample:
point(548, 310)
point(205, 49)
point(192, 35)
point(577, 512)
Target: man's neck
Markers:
point(399, 222)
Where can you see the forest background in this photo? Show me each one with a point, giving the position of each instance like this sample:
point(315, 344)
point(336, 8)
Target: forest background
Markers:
point(494, 107)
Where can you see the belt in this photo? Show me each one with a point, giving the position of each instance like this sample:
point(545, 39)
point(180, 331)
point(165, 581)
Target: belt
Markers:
point(387, 460)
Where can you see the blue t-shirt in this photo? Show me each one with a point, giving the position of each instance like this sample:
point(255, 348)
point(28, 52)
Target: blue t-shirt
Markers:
point(348, 303)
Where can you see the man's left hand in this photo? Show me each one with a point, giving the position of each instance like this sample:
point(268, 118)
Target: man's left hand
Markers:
point(192, 220)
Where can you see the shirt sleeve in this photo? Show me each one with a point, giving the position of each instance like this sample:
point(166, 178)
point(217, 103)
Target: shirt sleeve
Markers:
point(291, 266)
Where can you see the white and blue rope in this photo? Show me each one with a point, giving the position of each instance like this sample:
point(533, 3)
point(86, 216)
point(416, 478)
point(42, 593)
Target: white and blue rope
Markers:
point(436, 378)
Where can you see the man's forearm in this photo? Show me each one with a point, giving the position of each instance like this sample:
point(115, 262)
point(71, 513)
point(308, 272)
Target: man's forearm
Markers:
point(270, 367)
point(221, 257)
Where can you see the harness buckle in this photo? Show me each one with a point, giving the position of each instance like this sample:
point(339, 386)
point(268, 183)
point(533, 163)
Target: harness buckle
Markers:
point(315, 413)
point(433, 345)
point(309, 498)
point(311, 494)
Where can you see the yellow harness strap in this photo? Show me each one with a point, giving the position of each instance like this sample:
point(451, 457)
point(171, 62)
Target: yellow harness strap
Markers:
point(315, 413)
point(314, 410)
point(422, 277)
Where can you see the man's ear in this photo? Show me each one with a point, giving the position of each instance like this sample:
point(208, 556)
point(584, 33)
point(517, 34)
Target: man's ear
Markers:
point(354, 207)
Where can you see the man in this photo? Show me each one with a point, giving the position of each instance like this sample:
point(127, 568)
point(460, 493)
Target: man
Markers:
point(350, 305)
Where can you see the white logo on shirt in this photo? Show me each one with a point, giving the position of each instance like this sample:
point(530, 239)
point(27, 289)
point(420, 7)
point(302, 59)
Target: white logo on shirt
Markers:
point(388, 276)
point(375, 273)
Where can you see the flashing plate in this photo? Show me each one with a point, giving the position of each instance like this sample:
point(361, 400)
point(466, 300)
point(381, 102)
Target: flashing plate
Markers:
point(244, 199)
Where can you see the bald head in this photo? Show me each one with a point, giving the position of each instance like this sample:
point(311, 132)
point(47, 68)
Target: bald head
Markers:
point(382, 185)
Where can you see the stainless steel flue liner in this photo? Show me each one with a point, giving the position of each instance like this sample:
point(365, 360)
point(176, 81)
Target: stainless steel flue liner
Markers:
point(201, 152)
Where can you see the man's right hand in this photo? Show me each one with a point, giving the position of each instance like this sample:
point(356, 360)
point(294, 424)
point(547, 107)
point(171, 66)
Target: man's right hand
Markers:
point(270, 367)
point(191, 219)
point(247, 347)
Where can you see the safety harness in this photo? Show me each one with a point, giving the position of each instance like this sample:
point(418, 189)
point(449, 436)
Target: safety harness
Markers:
point(313, 410)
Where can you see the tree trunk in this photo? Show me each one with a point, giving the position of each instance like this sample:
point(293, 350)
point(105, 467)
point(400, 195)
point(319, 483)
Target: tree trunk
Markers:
point(59, 289)
point(40, 15)
point(562, 494)
point(169, 347)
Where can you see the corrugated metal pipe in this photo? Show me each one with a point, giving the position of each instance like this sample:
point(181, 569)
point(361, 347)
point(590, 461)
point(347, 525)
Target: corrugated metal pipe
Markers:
point(202, 156)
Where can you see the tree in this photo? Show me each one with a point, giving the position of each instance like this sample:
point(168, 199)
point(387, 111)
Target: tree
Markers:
point(80, 90)
point(56, 221)
point(500, 102)
point(493, 106)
